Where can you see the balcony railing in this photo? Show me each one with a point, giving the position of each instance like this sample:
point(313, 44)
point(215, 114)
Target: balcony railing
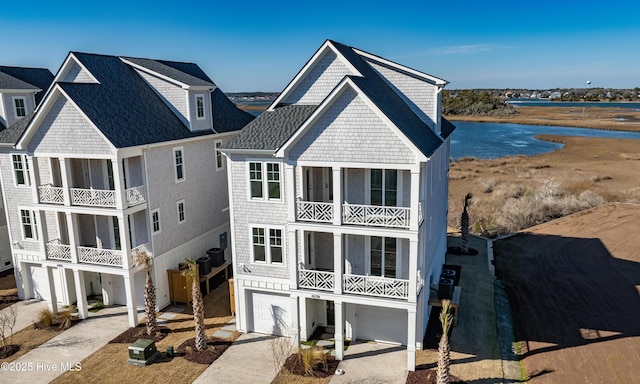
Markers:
point(374, 215)
point(110, 257)
point(376, 286)
point(93, 197)
point(50, 194)
point(314, 211)
point(320, 280)
point(135, 195)
point(58, 251)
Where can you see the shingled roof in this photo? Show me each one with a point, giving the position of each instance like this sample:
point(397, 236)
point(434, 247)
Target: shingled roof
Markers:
point(12, 134)
point(273, 128)
point(186, 73)
point(26, 78)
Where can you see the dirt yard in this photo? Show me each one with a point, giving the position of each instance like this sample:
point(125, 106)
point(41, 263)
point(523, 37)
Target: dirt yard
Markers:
point(574, 286)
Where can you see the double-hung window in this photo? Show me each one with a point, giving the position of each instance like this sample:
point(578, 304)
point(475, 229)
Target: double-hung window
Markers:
point(28, 222)
point(155, 220)
point(383, 256)
point(267, 245)
point(265, 180)
point(20, 170)
point(178, 162)
point(180, 211)
point(20, 104)
point(219, 159)
point(200, 107)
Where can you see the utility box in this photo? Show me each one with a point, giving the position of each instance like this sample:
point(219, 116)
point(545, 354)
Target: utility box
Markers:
point(142, 352)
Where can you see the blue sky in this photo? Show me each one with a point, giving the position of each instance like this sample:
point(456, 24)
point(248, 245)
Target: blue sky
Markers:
point(259, 46)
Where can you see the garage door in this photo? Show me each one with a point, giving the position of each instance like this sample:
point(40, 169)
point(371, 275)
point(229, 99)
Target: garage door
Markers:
point(269, 313)
point(381, 324)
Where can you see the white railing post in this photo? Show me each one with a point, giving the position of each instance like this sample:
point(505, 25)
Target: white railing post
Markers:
point(337, 263)
point(65, 174)
point(73, 236)
point(118, 184)
point(337, 195)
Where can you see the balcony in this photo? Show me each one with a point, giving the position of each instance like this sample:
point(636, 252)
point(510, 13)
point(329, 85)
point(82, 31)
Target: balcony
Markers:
point(318, 212)
point(354, 284)
point(135, 195)
point(372, 215)
point(91, 255)
point(93, 197)
point(57, 251)
point(48, 194)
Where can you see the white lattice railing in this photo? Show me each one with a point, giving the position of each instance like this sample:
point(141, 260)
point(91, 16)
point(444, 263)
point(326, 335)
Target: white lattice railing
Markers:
point(420, 214)
point(110, 257)
point(320, 280)
point(376, 286)
point(376, 215)
point(314, 211)
point(93, 197)
point(57, 251)
point(50, 194)
point(135, 195)
point(142, 248)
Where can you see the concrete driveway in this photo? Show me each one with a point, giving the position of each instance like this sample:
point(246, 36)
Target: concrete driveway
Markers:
point(372, 363)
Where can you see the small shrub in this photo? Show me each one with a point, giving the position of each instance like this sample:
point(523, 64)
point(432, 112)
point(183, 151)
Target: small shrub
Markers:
point(488, 186)
point(45, 317)
point(64, 318)
point(314, 359)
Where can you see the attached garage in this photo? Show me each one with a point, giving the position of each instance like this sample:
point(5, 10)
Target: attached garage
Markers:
point(269, 313)
point(381, 324)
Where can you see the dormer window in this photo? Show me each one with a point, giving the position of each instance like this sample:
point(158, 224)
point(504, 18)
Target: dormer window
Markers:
point(200, 107)
point(20, 104)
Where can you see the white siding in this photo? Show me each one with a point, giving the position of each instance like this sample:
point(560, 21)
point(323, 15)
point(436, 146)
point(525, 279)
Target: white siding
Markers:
point(76, 74)
point(173, 96)
point(320, 81)
point(65, 130)
point(349, 131)
point(204, 124)
point(10, 110)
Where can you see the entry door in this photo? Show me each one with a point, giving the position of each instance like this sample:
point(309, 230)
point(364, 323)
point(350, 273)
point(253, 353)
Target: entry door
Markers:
point(331, 313)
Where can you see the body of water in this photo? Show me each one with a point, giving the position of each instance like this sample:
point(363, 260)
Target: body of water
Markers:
point(548, 103)
point(493, 140)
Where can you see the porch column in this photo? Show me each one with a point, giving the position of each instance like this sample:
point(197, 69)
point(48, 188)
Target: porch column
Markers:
point(294, 330)
point(339, 326)
point(414, 199)
point(81, 294)
point(337, 196)
point(293, 259)
point(72, 228)
point(107, 289)
point(132, 306)
point(65, 175)
point(304, 332)
point(290, 182)
point(118, 184)
point(413, 269)
point(40, 218)
point(32, 166)
point(125, 242)
point(25, 287)
point(53, 302)
point(338, 269)
point(411, 339)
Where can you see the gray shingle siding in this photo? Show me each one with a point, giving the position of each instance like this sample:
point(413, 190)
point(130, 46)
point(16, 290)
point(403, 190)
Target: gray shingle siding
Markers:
point(199, 125)
point(320, 81)
point(172, 95)
point(247, 212)
point(66, 130)
point(77, 74)
point(349, 131)
point(419, 95)
point(9, 106)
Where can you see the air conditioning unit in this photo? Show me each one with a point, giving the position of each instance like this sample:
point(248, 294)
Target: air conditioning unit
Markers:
point(445, 288)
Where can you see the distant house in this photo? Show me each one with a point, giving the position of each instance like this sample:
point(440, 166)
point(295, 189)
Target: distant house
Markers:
point(120, 156)
point(338, 200)
point(555, 95)
point(21, 90)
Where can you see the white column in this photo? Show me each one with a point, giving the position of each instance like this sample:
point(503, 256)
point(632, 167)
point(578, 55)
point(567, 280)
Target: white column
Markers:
point(413, 269)
point(411, 339)
point(414, 199)
point(33, 178)
point(337, 196)
point(304, 332)
point(118, 183)
point(53, 302)
point(290, 182)
point(81, 294)
point(107, 289)
point(339, 326)
point(73, 236)
point(293, 259)
point(42, 224)
point(65, 175)
point(294, 332)
point(125, 243)
point(132, 306)
point(25, 287)
point(337, 263)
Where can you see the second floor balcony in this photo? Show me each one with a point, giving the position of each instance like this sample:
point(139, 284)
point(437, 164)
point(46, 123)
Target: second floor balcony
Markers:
point(56, 250)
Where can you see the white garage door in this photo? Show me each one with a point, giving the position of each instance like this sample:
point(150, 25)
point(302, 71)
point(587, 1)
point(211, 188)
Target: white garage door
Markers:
point(381, 324)
point(269, 313)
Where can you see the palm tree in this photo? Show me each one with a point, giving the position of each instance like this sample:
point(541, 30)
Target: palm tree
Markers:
point(444, 353)
point(464, 224)
point(198, 304)
point(143, 258)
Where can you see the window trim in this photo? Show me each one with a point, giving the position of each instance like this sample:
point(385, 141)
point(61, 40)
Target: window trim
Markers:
point(154, 222)
point(184, 211)
point(15, 107)
point(217, 144)
point(398, 255)
point(200, 96)
point(267, 244)
point(264, 174)
point(33, 224)
point(383, 186)
point(24, 163)
point(176, 165)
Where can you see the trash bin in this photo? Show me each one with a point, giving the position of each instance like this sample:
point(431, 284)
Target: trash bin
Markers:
point(204, 265)
point(217, 256)
point(170, 351)
point(445, 288)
